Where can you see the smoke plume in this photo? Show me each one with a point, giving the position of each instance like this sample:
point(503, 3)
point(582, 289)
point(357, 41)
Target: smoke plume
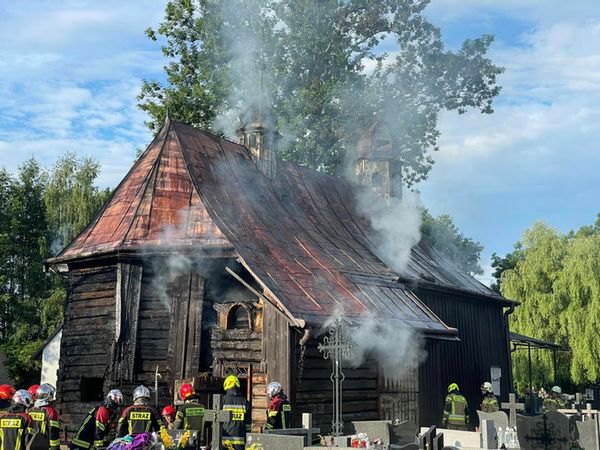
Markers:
point(396, 224)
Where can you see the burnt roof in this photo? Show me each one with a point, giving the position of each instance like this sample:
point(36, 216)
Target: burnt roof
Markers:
point(299, 234)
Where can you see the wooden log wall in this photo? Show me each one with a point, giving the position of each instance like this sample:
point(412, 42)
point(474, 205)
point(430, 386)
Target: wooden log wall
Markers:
point(87, 338)
point(314, 392)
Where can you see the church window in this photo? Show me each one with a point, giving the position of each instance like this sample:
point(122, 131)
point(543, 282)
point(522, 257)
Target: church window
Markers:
point(376, 179)
point(252, 140)
point(238, 318)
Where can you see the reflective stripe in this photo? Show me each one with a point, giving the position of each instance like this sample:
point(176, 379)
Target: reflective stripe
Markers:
point(273, 413)
point(55, 423)
point(234, 441)
point(80, 443)
point(54, 443)
point(100, 425)
point(98, 444)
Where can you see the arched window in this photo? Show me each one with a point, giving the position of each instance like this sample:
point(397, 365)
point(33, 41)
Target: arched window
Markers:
point(238, 318)
point(252, 140)
point(376, 179)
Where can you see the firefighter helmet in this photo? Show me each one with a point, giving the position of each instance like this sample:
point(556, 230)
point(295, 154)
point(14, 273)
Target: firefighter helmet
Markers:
point(45, 394)
point(33, 390)
point(168, 410)
point(141, 392)
point(487, 387)
point(114, 399)
point(6, 392)
point(453, 387)
point(230, 382)
point(273, 389)
point(186, 390)
point(557, 390)
point(22, 397)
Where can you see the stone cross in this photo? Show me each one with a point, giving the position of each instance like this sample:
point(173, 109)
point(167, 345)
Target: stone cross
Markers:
point(513, 407)
point(217, 417)
point(336, 347)
point(307, 424)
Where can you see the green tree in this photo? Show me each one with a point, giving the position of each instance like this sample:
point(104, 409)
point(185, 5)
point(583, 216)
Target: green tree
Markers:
point(500, 264)
point(445, 237)
point(71, 198)
point(310, 60)
point(556, 277)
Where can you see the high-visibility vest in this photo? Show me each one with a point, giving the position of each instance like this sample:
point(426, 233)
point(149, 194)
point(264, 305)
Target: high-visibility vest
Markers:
point(458, 412)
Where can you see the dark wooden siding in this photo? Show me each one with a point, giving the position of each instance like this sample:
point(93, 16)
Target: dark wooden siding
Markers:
point(314, 392)
point(482, 333)
point(87, 338)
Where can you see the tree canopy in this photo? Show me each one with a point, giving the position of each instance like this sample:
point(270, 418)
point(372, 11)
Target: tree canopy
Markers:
point(444, 236)
point(323, 68)
point(556, 278)
point(39, 208)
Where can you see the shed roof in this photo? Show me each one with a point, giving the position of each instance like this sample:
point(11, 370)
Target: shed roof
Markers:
point(299, 234)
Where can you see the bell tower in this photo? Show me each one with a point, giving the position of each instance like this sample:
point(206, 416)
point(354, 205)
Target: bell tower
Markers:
point(258, 133)
point(378, 164)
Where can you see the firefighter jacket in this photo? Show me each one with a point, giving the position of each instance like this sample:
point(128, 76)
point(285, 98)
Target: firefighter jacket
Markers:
point(456, 411)
point(234, 431)
point(93, 430)
point(553, 404)
point(489, 403)
point(4, 405)
point(45, 421)
point(15, 428)
point(190, 416)
point(279, 414)
point(138, 419)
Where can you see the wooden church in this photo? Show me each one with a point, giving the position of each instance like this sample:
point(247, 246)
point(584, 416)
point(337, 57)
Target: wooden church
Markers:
point(214, 257)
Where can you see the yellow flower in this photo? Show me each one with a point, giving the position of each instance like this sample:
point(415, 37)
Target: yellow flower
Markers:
point(165, 437)
point(184, 439)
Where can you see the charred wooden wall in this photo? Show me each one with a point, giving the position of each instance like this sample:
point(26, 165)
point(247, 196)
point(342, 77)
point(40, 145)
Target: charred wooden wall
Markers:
point(87, 339)
point(314, 392)
point(482, 334)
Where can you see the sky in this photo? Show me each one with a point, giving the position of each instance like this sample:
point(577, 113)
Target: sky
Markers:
point(70, 72)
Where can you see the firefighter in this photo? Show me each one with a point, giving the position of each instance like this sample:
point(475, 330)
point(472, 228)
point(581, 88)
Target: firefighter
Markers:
point(168, 414)
point(190, 415)
point(44, 417)
point(33, 391)
point(6, 395)
point(139, 417)
point(234, 431)
point(456, 410)
point(489, 402)
point(93, 430)
point(279, 413)
point(15, 423)
point(554, 401)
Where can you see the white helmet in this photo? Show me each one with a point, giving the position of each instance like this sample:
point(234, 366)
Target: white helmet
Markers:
point(273, 389)
point(22, 397)
point(45, 394)
point(557, 390)
point(114, 399)
point(141, 392)
point(487, 386)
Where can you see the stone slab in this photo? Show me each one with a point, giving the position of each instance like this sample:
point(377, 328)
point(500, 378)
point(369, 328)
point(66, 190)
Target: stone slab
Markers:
point(500, 418)
point(262, 441)
point(544, 432)
point(375, 429)
point(460, 439)
point(588, 435)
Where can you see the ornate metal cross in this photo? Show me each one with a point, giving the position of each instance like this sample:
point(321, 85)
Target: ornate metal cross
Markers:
point(336, 347)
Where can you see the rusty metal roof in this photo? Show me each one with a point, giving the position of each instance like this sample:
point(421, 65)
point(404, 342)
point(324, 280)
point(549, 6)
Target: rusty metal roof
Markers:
point(299, 235)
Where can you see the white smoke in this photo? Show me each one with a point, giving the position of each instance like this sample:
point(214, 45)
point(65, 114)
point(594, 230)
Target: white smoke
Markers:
point(396, 224)
point(397, 350)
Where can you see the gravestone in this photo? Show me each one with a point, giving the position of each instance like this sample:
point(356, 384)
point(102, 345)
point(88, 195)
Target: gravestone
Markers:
point(588, 434)
point(404, 447)
point(513, 407)
point(307, 430)
point(261, 441)
point(429, 439)
point(404, 433)
point(489, 437)
point(548, 431)
point(375, 429)
point(499, 417)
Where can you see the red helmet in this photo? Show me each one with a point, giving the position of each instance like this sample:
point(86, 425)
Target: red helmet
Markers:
point(168, 410)
point(186, 390)
point(6, 392)
point(33, 389)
